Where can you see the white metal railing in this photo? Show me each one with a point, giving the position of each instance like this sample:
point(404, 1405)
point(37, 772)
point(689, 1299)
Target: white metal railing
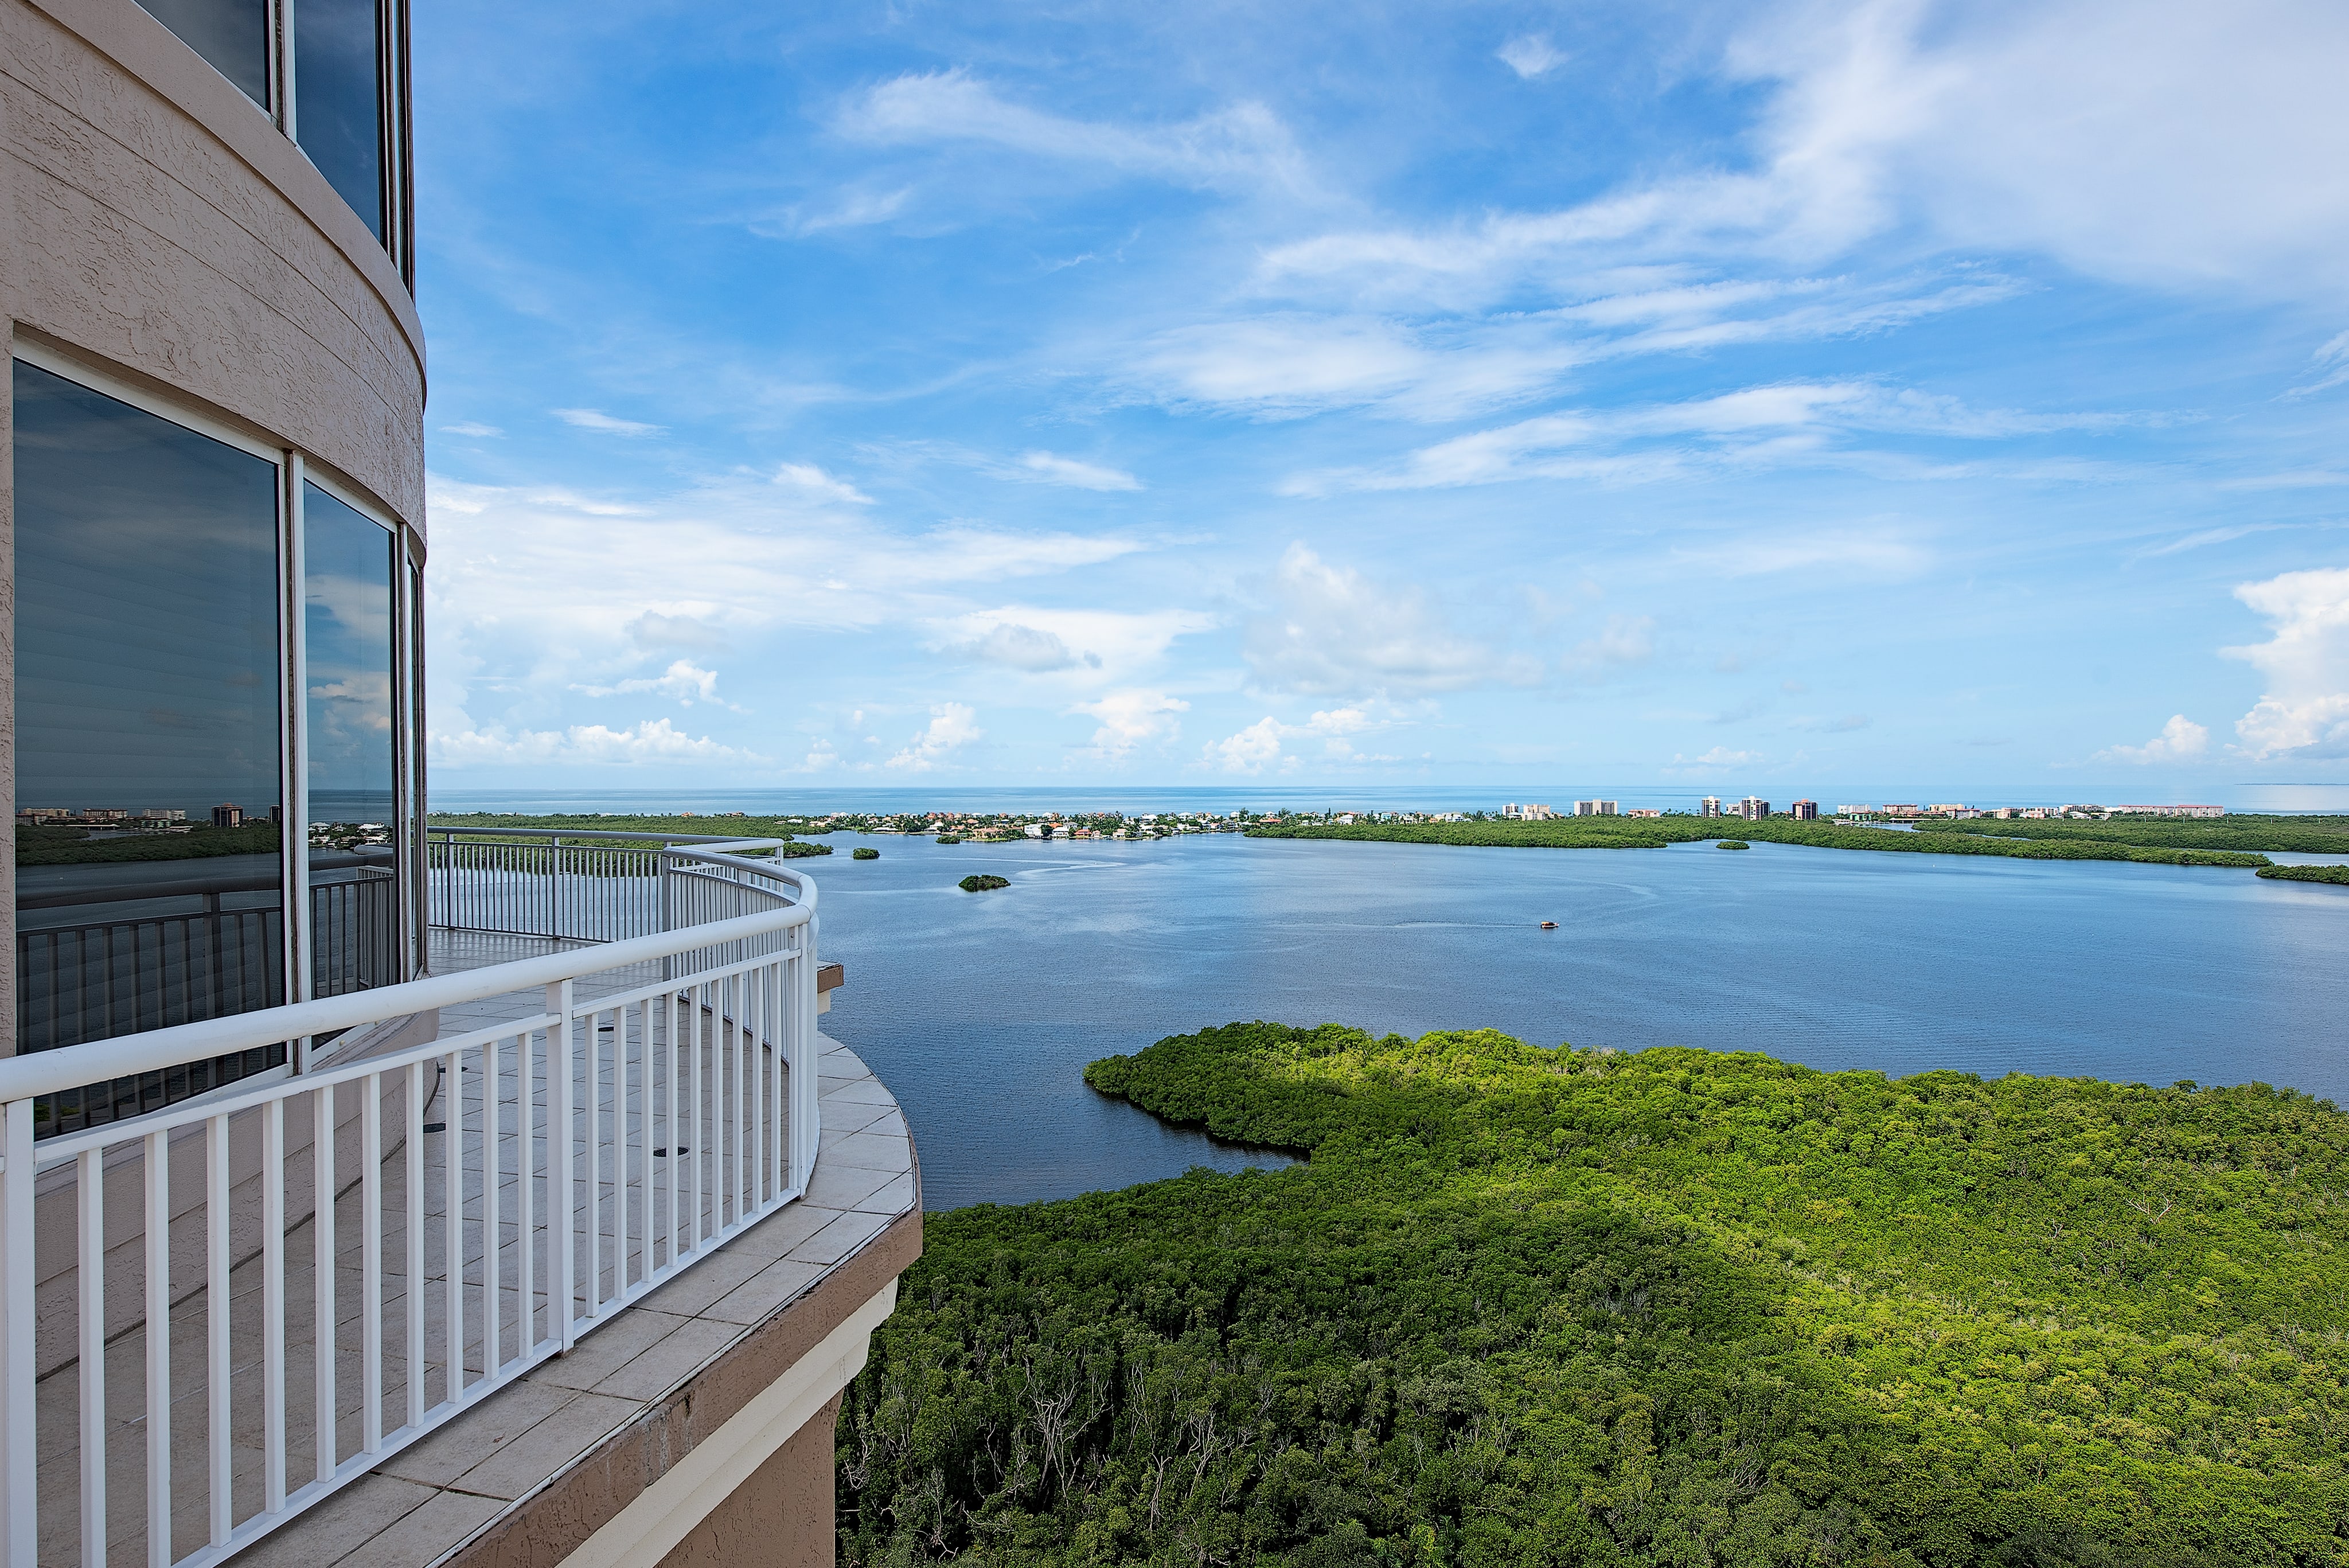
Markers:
point(591, 885)
point(214, 1316)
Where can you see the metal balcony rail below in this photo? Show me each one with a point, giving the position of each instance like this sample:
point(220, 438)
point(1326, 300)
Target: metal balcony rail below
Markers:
point(214, 1316)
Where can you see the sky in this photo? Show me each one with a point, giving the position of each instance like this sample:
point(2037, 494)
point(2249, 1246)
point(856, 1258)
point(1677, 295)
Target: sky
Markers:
point(1728, 396)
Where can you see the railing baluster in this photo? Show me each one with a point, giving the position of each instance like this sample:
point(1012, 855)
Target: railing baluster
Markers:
point(560, 1201)
point(89, 1281)
point(322, 1278)
point(221, 1449)
point(273, 1304)
point(159, 1349)
point(415, 1138)
point(371, 1263)
point(492, 1208)
point(452, 1198)
point(593, 1051)
point(527, 1336)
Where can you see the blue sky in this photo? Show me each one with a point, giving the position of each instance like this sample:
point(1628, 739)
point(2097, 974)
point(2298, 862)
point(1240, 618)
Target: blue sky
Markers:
point(1480, 393)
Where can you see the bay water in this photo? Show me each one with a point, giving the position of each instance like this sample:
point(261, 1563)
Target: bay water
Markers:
point(979, 1011)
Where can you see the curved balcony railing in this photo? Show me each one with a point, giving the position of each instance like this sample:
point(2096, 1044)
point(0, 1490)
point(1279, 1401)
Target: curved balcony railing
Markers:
point(214, 1316)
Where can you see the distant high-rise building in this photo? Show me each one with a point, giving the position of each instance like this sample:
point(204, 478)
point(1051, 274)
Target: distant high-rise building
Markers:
point(1752, 808)
point(228, 817)
point(1594, 808)
point(1709, 806)
point(1804, 811)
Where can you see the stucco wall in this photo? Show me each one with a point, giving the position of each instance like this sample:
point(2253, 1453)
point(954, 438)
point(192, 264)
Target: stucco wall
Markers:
point(163, 229)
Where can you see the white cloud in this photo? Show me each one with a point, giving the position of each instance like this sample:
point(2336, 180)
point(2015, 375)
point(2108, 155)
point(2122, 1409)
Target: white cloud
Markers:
point(1095, 647)
point(1131, 718)
point(597, 420)
point(817, 483)
point(654, 629)
point(2181, 741)
point(1025, 647)
point(2304, 712)
point(2169, 142)
point(1044, 467)
point(1792, 423)
point(653, 740)
point(951, 727)
point(683, 681)
point(2332, 360)
point(1718, 759)
point(1854, 552)
point(1262, 744)
point(1531, 55)
point(1332, 630)
point(1244, 147)
point(472, 428)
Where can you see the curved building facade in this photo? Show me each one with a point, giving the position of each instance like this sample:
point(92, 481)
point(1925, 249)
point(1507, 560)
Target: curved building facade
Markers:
point(216, 518)
point(353, 1209)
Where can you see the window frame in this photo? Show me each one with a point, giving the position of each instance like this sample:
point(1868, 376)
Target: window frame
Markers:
point(293, 470)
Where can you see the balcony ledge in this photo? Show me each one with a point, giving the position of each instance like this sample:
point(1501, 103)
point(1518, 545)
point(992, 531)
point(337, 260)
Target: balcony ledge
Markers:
point(614, 1452)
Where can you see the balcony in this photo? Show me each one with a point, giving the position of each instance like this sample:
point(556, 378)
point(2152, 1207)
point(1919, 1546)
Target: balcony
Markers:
point(561, 1253)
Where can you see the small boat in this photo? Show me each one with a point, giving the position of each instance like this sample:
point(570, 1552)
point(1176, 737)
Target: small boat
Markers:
point(1549, 925)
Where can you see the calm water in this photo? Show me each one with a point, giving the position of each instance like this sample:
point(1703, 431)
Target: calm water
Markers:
point(981, 1011)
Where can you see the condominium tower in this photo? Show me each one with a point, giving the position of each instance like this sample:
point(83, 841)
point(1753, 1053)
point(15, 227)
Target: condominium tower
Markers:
point(352, 1204)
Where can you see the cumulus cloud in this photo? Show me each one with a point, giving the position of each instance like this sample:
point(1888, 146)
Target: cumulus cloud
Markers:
point(684, 682)
point(1026, 648)
point(1092, 648)
point(951, 727)
point(1047, 468)
point(652, 741)
point(1133, 717)
point(597, 420)
point(2304, 712)
point(1334, 631)
point(2168, 142)
point(2181, 741)
point(816, 482)
point(1263, 745)
point(1531, 55)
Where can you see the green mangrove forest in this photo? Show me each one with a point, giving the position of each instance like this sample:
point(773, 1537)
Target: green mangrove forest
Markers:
point(1526, 1307)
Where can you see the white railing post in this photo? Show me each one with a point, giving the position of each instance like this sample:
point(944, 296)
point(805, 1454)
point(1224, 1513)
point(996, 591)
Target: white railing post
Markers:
point(20, 1473)
point(561, 1150)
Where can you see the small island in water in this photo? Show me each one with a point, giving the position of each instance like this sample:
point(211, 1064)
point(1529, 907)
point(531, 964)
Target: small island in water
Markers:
point(1732, 844)
point(982, 884)
point(864, 852)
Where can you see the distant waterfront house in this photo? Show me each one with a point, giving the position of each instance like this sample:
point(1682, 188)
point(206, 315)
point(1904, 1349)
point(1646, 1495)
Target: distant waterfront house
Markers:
point(529, 1175)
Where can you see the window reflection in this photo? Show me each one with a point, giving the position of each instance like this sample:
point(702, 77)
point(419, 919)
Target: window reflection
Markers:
point(234, 35)
point(148, 864)
point(338, 100)
point(348, 590)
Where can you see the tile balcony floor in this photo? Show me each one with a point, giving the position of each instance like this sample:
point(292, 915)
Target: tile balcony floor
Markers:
point(418, 1504)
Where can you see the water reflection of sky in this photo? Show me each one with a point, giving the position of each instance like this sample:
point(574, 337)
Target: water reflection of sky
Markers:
point(981, 1011)
point(145, 610)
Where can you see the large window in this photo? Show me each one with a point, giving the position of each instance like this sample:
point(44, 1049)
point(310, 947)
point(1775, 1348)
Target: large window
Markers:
point(148, 795)
point(156, 839)
point(350, 591)
point(335, 85)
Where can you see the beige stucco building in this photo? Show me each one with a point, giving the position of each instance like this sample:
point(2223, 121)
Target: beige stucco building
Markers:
point(502, 1197)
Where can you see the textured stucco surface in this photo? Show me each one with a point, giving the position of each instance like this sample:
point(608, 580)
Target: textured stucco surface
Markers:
point(163, 229)
point(779, 1518)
